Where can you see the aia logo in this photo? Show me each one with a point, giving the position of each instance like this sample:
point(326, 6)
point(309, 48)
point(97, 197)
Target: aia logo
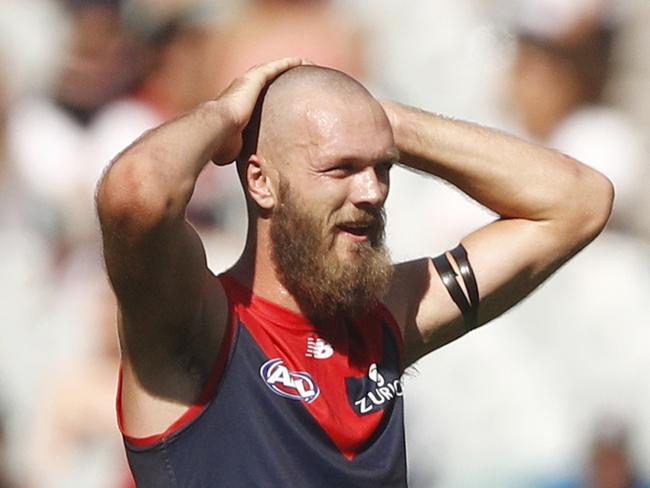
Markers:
point(297, 385)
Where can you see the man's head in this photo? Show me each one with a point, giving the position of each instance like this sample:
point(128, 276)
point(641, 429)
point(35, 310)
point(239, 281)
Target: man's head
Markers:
point(316, 179)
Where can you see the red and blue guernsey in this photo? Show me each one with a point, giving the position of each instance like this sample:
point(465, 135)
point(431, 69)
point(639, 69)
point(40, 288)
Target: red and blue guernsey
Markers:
point(288, 405)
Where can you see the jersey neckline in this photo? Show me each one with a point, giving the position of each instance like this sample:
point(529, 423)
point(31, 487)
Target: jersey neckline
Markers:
point(277, 314)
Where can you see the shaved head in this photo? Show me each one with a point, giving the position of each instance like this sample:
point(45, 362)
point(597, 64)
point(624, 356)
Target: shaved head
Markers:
point(299, 96)
point(295, 106)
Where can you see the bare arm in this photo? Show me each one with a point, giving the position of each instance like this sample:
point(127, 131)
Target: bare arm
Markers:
point(551, 206)
point(172, 312)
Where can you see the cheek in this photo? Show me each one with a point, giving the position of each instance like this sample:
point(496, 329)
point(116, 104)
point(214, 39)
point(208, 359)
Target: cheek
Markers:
point(320, 222)
point(325, 206)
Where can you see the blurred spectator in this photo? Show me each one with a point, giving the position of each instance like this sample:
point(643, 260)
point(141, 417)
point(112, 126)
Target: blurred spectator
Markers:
point(562, 65)
point(75, 440)
point(518, 399)
point(101, 62)
point(269, 29)
point(178, 36)
point(630, 86)
point(508, 402)
point(24, 57)
point(40, 183)
point(50, 138)
point(609, 463)
point(31, 33)
point(442, 56)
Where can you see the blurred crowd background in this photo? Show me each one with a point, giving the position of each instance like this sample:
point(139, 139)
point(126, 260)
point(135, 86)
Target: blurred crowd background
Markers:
point(555, 394)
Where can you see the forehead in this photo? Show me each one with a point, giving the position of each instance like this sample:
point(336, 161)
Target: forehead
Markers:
point(353, 129)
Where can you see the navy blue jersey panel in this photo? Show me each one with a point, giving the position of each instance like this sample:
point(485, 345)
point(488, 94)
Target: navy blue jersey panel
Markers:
point(250, 436)
point(150, 468)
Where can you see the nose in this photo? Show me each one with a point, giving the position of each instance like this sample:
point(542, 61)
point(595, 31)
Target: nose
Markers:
point(369, 188)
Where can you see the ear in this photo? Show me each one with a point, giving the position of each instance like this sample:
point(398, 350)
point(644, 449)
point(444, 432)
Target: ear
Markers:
point(260, 185)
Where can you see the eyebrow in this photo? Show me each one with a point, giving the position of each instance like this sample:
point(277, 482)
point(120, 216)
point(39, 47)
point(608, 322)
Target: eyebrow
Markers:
point(388, 157)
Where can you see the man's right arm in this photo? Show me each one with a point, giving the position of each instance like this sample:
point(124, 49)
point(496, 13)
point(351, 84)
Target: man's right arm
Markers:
point(154, 258)
point(172, 313)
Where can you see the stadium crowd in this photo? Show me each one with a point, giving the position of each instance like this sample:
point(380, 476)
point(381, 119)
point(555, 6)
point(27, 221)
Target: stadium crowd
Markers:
point(553, 394)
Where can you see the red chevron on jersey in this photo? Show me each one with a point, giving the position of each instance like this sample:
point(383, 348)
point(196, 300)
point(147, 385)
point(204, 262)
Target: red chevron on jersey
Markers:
point(344, 383)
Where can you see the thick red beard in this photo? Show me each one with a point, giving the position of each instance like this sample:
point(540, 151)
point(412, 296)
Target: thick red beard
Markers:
point(322, 283)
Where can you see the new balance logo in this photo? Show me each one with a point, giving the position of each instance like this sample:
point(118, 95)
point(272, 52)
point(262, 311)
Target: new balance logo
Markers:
point(318, 348)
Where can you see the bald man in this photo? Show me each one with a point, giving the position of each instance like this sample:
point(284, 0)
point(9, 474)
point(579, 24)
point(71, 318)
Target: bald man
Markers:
point(285, 370)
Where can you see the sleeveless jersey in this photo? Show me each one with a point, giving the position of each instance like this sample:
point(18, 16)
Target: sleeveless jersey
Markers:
point(287, 405)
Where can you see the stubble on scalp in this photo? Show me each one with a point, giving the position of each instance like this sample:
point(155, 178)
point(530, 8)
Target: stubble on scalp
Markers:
point(308, 266)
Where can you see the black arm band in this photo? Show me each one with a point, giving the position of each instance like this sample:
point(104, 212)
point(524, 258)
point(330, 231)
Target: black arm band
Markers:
point(469, 308)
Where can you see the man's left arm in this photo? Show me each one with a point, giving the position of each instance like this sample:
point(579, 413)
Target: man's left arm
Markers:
point(550, 205)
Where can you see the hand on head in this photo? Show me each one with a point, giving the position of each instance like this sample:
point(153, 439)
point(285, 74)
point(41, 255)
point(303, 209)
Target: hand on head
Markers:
point(241, 96)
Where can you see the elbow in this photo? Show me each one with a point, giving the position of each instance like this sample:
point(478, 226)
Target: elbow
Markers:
point(596, 205)
point(602, 203)
point(129, 204)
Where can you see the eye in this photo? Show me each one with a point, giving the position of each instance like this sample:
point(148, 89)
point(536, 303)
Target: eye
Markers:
point(343, 169)
point(386, 166)
point(383, 168)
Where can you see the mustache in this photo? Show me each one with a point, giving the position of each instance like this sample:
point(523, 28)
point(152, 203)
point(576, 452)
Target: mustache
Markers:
point(371, 221)
point(370, 217)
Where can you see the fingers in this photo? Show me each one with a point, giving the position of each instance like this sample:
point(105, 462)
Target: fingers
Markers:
point(267, 71)
point(262, 74)
point(235, 105)
point(243, 92)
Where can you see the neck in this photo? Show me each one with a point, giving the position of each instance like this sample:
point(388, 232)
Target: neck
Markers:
point(256, 269)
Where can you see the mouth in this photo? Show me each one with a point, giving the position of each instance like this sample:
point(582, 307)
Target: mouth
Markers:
point(357, 231)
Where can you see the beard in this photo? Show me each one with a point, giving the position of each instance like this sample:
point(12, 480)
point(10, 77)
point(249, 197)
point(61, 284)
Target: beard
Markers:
point(307, 264)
